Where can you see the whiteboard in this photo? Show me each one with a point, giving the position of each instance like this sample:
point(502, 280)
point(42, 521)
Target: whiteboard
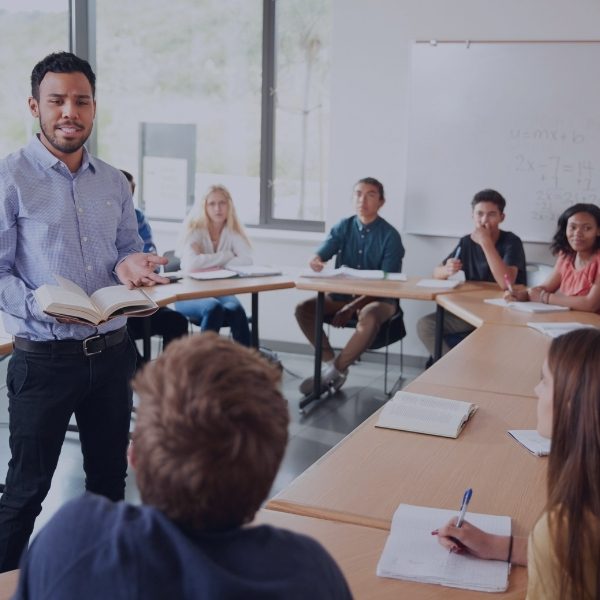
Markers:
point(522, 118)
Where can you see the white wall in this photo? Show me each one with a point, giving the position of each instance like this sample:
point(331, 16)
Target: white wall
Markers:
point(370, 79)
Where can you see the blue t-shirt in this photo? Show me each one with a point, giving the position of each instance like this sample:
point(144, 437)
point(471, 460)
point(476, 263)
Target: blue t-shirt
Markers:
point(96, 549)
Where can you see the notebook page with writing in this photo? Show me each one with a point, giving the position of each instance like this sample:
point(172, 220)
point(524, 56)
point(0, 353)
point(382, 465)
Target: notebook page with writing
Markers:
point(425, 414)
point(412, 553)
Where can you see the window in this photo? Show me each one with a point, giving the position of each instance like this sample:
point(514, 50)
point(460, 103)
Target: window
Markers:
point(29, 30)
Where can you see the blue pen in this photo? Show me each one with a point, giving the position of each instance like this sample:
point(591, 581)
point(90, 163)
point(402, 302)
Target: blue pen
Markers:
point(457, 253)
point(463, 507)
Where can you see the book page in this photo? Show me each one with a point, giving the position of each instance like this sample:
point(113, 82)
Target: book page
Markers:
point(412, 553)
point(59, 301)
point(537, 307)
point(69, 285)
point(534, 442)
point(425, 414)
point(362, 273)
point(112, 298)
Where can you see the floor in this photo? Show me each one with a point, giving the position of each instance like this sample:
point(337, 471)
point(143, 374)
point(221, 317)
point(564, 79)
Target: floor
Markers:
point(311, 435)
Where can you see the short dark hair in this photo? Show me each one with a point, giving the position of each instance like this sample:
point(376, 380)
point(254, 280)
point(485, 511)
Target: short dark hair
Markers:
point(61, 62)
point(374, 182)
point(489, 196)
point(210, 432)
point(560, 243)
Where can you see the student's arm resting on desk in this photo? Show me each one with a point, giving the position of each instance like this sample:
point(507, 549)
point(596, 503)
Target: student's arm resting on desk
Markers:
point(242, 253)
point(482, 544)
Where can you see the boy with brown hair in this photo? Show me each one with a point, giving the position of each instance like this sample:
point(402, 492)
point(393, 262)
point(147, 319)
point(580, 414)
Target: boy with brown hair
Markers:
point(210, 434)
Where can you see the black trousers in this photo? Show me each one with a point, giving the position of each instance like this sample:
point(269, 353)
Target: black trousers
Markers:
point(44, 390)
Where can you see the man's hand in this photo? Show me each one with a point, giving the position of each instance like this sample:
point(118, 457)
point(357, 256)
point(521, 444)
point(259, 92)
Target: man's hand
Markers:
point(343, 315)
point(137, 270)
point(316, 264)
point(453, 265)
point(482, 236)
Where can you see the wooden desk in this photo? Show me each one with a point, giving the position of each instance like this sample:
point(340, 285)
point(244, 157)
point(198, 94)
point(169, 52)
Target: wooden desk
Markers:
point(191, 289)
point(405, 290)
point(364, 478)
point(8, 584)
point(471, 307)
point(494, 358)
point(357, 550)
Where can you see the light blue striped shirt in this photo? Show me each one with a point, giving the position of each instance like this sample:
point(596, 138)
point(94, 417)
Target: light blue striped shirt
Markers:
point(78, 225)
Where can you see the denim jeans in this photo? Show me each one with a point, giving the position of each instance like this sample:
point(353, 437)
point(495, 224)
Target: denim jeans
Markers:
point(213, 313)
point(44, 390)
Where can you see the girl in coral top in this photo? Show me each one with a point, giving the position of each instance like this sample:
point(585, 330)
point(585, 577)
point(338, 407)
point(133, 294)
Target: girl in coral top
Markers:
point(575, 280)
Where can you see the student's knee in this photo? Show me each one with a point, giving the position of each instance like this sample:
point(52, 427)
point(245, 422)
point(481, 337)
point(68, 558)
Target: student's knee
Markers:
point(426, 327)
point(305, 310)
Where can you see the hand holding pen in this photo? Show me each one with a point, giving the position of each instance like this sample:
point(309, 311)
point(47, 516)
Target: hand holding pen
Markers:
point(454, 264)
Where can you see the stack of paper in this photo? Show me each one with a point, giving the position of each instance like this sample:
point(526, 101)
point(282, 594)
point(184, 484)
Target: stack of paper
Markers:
point(212, 274)
point(445, 284)
point(534, 442)
point(554, 330)
point(344, 271)
point(425, 414)
point(529, 307)
point(412, 553)
point(254, 270)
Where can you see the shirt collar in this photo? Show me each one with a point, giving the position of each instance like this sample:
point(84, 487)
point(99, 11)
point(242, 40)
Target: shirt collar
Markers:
point(360, 226)
point(47, 160)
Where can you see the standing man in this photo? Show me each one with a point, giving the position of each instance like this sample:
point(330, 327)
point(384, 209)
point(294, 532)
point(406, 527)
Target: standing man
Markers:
point(68, 213)
point(363, 241)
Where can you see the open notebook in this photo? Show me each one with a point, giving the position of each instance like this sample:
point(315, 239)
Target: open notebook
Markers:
point(534, 442)
point(554, 330)
point(425, 414)
point(412, 553)
point(528, 307)
point(349, 272)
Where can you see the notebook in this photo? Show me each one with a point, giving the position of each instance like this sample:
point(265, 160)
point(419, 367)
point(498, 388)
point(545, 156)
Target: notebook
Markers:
point(445, 284)
point(412, 553)
point(534, 442)
point(425, 414)
point(212, 274)
point(553, 330)
point(254, 270)
point(344, 271)
point(528, 307)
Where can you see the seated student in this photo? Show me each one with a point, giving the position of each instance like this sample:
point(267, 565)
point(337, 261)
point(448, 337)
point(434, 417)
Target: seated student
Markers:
point(209, 437)
point(575, 281)
point(363, 241)
point(214, 237)
point(562, 555)
point(487, 254)
point(165, 321)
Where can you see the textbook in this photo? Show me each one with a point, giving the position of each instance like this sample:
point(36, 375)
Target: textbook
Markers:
point(412, 553)
point(554, 330)
point(68, 300)
point(235, 271)
point(425, 414)
point(349, 272)
point(529, 307)
point(444, 284)
point(534, 442)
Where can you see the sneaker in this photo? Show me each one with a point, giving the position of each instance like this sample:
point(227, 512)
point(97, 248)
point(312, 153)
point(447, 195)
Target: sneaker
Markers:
point(331, 379)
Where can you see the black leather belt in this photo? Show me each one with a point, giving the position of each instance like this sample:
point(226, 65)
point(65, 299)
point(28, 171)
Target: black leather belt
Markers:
point(88, 347)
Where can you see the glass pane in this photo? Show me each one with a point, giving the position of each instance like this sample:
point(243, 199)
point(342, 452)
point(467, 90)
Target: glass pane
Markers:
point(29, 30)
point(195, 62)
point(302, 109)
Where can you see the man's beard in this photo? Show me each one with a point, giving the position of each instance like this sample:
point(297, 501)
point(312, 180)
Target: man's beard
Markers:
point(67, 147)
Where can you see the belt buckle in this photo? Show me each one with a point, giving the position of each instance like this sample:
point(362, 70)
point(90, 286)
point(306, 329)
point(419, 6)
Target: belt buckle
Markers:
point(86, 352)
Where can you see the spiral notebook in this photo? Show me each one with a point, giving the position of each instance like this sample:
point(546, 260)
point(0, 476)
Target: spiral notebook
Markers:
point(413, 554)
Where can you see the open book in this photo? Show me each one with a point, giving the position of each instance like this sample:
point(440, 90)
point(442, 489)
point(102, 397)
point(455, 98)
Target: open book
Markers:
point(534, 442)
point(68, 300)
point(344, 271)
point(553, 329)
point(234, 271)
point(412, 553)
point(528, 307)
point(425, 414)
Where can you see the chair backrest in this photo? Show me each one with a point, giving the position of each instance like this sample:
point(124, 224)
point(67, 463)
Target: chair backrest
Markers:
point(537, 273)
point(174, 263)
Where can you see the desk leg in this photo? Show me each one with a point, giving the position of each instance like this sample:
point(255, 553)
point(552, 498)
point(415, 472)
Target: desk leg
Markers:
point(439, 332)
point(254, 320)
point(147, 348)
point(316, 393)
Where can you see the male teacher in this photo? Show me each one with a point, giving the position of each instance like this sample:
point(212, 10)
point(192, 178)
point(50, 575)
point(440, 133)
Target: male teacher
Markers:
point(68, 213)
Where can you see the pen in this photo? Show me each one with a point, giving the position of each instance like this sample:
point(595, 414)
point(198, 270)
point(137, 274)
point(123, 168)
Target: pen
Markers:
point(509, 287)
point(463, 507)
point(457, 253)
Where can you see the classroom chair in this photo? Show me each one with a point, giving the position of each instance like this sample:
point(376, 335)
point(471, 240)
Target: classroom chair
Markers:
point(392, 331)
point(537, 273)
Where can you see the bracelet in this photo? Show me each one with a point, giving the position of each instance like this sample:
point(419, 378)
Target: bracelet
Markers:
point(510, 547)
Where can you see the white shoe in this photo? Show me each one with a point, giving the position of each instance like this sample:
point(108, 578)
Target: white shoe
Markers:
point(331, 379)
